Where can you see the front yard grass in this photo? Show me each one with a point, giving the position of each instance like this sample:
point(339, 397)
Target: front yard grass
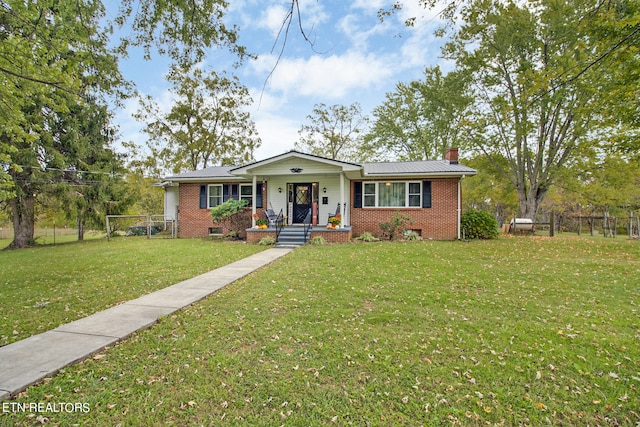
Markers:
point(516, 331)
point(44, 287)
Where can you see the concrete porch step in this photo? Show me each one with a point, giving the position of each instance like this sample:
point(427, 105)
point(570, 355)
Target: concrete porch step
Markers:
point(291, 236)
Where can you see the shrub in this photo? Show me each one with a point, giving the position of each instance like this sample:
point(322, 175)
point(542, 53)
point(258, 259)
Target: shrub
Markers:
point(231, 216)
point(367, 237)
point(267, 241)
point(397, 226)
point(412, 236)
point(478, 225)
point(318, 240)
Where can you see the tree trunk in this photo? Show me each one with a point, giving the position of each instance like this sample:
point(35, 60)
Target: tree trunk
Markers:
point(80, 228)
point(530, 201)
point(23, 215)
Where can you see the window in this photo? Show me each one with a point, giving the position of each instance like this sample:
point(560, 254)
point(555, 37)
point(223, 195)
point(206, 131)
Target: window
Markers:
point(369, 194)
point(246, 193)
point(415, 195)
point(392, 194)
point(215, 195)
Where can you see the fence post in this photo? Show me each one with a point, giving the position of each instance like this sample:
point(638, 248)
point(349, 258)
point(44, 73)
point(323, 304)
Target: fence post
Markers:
point(552, 224)
point(108, 229)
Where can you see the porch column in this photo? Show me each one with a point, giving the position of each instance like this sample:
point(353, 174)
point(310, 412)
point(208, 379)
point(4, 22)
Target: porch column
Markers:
point(254, 200)
point(345, 219)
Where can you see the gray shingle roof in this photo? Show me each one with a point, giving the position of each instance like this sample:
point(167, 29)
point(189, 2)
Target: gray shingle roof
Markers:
point(210, 172)
point(416, 168)
point(424, 167)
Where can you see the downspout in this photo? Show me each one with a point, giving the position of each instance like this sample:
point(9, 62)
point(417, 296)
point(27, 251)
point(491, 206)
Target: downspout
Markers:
point(459, 204)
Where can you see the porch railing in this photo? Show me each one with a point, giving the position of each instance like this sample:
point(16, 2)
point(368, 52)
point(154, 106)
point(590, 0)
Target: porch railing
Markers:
point(307, 225)
point(279, 224)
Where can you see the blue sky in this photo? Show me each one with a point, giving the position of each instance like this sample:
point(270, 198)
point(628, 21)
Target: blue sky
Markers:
point(355, 58)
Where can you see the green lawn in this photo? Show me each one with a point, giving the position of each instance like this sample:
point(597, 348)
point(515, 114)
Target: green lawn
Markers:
point(517, 331)
point(44, 287)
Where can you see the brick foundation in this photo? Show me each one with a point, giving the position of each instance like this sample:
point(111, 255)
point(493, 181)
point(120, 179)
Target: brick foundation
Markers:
point(254, 235)
point(342, 235)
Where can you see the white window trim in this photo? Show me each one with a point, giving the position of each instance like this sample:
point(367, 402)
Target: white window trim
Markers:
point(209, 195)
point(377, 194)
point(248, 197)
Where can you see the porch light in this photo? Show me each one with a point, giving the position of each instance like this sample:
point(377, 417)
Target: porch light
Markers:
point(279, 189)
point(295, 170)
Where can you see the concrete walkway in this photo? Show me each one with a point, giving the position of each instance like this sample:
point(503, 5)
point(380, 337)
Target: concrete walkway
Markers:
point(26, 362)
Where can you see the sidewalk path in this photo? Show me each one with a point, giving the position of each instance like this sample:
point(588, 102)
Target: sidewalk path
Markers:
point(26, 362)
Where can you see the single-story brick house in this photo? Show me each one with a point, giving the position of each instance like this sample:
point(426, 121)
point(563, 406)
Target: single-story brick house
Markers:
point(292, 183)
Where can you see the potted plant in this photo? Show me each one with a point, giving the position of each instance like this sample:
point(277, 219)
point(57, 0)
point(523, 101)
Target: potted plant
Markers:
point(261, 223)
point(334, 222)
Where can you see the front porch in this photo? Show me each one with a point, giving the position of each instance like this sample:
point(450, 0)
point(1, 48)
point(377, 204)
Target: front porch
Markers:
point(340, 235)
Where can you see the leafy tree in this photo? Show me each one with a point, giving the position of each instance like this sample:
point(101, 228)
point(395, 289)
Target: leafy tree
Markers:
point(91, 174)
point(207, 123)
point(54, 55)
point(550, 79)
point(420, 120)
point(489, 190)
point(610, 184)
point(149, 198)
point(334, 132)
point(525, 107)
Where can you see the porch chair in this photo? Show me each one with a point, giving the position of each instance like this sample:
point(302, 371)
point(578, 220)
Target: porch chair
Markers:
point(272, 217)
point(334, 214)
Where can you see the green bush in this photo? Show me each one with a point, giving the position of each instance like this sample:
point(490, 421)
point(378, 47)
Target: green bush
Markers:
point(318, 240)
point(397, 226)
point(412, 236)
point(367, 237)
point(478, 225)
point(231, 216)
point(267, 241)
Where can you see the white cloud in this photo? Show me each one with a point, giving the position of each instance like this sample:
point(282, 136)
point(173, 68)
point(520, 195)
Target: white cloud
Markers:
point(272, 19)
point(278, 134)
point(370, 5)
point(330, 76)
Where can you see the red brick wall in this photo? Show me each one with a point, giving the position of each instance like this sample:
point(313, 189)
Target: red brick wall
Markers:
point(333, 236)
point(254, 236)
point(195, 222)
point(439, 222)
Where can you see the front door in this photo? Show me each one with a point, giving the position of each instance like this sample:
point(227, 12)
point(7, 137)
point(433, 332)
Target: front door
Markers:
point(302, 196)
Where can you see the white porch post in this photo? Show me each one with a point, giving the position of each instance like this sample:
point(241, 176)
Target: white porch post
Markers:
point(343, 211)
point(254, 200)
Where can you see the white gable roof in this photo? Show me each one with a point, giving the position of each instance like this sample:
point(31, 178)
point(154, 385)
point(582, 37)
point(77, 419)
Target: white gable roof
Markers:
point(288, 160)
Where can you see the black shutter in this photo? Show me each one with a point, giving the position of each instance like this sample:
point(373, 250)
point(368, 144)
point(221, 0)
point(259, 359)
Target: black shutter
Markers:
point(258, 191)
point(203, 197)
point(234, 192)
point(225, 193)
point(357, 194)
point(426, 194)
